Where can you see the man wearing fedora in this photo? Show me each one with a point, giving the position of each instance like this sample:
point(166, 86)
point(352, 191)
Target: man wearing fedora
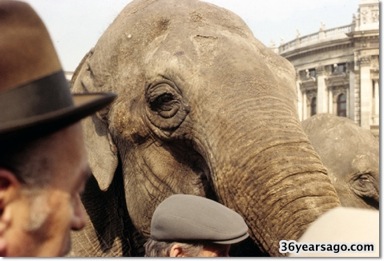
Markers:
point(192, 226)
point(43, 163)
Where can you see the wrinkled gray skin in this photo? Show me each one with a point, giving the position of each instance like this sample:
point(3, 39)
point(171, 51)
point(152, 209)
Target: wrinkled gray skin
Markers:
point(351, 155)
point(203, 108)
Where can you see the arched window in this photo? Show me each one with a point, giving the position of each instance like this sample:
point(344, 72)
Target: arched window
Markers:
point(342, 105)
point(313, 106)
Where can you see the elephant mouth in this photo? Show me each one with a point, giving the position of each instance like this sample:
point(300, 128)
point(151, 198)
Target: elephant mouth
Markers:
point(185, 152)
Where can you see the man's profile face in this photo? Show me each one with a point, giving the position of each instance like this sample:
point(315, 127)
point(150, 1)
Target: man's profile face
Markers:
point(46, 217)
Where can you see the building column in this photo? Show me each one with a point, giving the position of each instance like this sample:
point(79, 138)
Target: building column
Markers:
point(330, 101)
point(376, 103)
point(352, 98)
point(300, 97)
point(365, 93)
point(321, 98)
point(304, 108)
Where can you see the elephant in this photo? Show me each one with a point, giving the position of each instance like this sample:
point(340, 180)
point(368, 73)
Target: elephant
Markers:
point(351, 155)
point(203, 108)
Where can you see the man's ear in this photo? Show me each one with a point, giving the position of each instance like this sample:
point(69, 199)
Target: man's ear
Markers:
point(176, 251)
point(9, 185)
point(9, 188)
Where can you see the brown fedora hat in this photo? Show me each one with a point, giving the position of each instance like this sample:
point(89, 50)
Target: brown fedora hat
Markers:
point(35, 97)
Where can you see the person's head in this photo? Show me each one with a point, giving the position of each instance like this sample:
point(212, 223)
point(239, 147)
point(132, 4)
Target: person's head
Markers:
point(154, 248)
point(43, 163)
point(39, 194)
point(193, 226)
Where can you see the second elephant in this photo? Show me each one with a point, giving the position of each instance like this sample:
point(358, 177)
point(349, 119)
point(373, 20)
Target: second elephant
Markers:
point(351, 155)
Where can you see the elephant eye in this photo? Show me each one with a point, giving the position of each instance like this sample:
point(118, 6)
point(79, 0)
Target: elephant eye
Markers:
point(361, 180)
point(162, 102)
point(364, 178)
point(363, 184)
point(165, 107)
point(366, 187)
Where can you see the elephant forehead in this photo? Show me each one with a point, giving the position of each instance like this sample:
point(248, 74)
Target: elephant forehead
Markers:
point(152, 18)
point(142, 22)
point(195, 13)
point(338, 134)
point(365, 162)
point(147, 33)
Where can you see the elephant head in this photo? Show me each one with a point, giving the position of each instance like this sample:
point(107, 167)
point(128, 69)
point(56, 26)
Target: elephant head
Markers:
point(351, 154)
point(203, 108)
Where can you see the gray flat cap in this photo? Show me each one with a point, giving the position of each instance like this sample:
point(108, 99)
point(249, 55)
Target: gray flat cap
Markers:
point(192, 218)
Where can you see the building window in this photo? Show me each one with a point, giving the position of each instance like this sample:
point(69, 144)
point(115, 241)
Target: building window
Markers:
point(342, 105)
point(312, 73)
point(313, 106)
point(339, 68)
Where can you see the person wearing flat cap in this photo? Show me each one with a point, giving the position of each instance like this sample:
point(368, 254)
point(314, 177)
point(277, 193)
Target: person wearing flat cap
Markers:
point(43, 162)
point(193, 226)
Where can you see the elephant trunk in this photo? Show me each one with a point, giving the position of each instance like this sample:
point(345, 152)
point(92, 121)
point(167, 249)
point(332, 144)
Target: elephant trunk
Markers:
point(270, 173)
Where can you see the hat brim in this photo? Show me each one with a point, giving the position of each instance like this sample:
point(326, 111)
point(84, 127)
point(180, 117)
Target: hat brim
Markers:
point(232, 241)
point(84, 105)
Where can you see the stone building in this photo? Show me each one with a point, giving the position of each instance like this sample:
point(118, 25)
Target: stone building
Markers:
point(337, 69)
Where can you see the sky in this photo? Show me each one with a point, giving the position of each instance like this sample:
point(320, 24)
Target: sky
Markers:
point(76, 25)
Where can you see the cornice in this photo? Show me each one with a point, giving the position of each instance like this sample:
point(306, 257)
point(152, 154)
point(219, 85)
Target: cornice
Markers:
point(364, 33)
point(317, 49)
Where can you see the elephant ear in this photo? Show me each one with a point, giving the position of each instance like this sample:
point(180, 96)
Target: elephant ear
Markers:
point(101, 150)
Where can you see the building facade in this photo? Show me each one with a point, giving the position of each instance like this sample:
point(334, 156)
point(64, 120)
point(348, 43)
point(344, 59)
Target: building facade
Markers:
point(337, 69)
